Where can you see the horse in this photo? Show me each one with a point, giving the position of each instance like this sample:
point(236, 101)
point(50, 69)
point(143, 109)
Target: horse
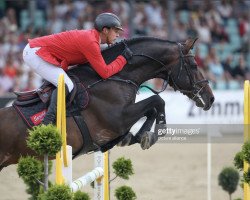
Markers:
point(112, 110)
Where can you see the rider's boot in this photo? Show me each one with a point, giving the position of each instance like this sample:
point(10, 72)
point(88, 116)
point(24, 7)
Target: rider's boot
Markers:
point(50, 117)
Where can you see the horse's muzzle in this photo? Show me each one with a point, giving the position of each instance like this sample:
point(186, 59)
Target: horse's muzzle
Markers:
point(206, 103)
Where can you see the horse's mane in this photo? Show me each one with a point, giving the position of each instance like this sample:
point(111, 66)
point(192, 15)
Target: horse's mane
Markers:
point(136, 40)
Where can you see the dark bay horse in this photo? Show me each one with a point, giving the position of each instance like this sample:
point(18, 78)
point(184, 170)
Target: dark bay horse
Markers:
point(112, 110)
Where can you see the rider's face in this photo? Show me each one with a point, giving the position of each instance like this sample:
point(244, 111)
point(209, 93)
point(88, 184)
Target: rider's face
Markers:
point(112, 34)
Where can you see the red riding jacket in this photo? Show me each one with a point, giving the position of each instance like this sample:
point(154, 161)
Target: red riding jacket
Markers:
point(76, 47)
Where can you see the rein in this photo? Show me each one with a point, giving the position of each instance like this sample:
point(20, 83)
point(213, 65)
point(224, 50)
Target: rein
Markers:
point(113, 79)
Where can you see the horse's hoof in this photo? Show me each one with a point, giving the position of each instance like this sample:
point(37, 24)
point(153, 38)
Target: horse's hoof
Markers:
point(125, 141)
point(148, 139)
point(161, 119)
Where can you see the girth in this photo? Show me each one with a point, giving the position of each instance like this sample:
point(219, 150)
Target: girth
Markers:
point(88, 144)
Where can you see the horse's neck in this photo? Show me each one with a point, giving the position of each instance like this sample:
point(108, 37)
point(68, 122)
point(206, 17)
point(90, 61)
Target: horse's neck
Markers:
point(156, 56)
point(140, 73)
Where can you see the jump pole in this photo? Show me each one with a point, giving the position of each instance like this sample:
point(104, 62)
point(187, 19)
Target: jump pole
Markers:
point(62, 157)
point(246, 132)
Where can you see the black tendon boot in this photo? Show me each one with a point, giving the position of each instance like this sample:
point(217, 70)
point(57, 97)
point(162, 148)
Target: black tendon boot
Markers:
point(50, 117)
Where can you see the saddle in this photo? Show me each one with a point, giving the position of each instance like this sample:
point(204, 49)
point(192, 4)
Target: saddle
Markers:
point(32, 105)
point(29, 97)
point(41, 94)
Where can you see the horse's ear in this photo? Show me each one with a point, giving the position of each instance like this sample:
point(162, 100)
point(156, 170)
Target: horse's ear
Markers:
point(189, 44)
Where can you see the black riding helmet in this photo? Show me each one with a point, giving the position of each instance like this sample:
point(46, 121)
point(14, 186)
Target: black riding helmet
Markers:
point(108, 20)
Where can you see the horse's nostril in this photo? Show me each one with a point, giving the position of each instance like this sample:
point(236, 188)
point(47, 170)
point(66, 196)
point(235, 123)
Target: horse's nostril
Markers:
point(211, 100)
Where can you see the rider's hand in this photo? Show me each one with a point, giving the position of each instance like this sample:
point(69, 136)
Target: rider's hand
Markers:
point(127, 53)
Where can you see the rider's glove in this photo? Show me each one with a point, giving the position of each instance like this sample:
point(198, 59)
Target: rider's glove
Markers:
point(127, 53)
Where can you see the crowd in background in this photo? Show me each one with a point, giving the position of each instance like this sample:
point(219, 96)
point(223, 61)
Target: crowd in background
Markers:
point(223, 28)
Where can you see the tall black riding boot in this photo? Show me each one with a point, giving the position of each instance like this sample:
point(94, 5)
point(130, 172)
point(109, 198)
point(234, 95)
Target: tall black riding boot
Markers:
point(50, 117)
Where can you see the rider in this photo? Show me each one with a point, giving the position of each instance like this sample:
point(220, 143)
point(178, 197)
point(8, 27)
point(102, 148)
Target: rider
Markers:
point(49, 56)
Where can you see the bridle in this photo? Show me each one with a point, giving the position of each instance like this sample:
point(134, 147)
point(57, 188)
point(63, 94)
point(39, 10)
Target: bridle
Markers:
point(197, 86)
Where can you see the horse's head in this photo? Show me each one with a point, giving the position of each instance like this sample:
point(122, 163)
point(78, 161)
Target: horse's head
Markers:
point(185, 77)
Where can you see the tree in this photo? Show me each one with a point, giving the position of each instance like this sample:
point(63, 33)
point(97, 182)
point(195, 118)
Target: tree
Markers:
point(123, 168)
point(229, 179)
point(46, 141)
point(62, 192)
point(246, 151)
point(31, 171)
point(81, 196)
point(240, 157)
point(125, 193)
point(239, 160)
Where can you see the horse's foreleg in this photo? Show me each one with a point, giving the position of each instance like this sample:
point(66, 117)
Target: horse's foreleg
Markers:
point(153, 108)
point(131, 139)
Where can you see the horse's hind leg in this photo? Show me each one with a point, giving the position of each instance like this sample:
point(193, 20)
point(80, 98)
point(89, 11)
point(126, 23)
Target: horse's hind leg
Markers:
point(5, 160)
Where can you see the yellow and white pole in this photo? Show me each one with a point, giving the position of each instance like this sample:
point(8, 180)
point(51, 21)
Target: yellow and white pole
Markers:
point(61, 158)
point(102, 190)
point(87, 179)
point(246, 132)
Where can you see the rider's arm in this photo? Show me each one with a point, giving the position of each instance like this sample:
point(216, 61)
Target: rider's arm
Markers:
point(94, 57)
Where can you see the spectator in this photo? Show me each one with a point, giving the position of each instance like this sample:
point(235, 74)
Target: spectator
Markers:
point(212, 16)
point(228, 68)
point(6, 83)
point(191, 30)
point(158, 32)
point(88, 22)
point(179, 32)
point(154, 13)
point(70, 23)
point(62, 8)
point(121, 8)
point(10, 69)
point(10, 21)
point(240, 7)
point(241, 71)
point(140, 20)
point(218, 33)
point(79, 6)
point(244, 25)
point(54, 24)
point(225, 10)
point(30, 82)
point(199, 60)
point(204, 32)
point(214, 66)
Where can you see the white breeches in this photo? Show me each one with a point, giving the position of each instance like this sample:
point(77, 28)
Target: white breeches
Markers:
point(46, 70)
